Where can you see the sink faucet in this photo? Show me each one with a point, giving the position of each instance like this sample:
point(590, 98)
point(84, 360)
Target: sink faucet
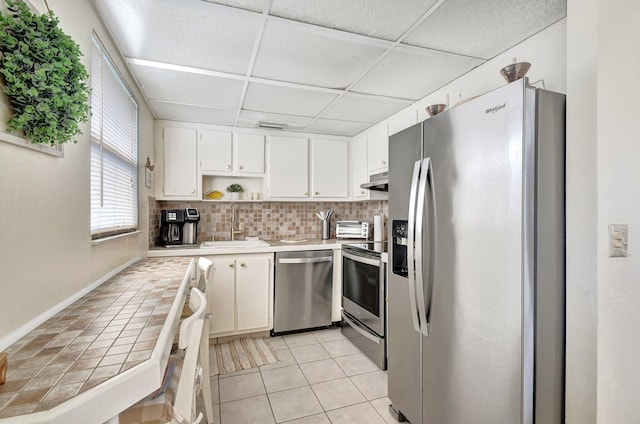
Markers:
point(234, 230)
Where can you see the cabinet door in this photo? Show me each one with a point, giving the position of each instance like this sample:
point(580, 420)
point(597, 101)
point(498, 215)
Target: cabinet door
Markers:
point(253, 292)
point(248, 153)
point(223, 306)
point(180, 158)
point(378, 149)
point(288, 167)
point(329, 168)
point(359, 174)
point(215, 151)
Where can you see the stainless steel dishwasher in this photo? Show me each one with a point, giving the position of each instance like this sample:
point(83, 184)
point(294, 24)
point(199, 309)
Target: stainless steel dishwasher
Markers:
point(303, 289)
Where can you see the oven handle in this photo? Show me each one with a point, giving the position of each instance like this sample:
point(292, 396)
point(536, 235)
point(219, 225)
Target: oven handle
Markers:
point(411, 240)
point(356, 258)
point(360, 330)
point(304, 260)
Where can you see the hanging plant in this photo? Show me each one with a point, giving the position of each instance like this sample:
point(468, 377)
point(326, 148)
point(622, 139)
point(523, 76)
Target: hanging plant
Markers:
point(43, 76)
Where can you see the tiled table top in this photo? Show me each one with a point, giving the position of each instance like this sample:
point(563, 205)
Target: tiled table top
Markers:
point(108, 331)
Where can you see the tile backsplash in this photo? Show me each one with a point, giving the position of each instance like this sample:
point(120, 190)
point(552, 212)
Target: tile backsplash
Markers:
point(269, 220)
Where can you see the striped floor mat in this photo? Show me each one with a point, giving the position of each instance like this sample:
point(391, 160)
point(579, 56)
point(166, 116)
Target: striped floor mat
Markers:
point(239, 354)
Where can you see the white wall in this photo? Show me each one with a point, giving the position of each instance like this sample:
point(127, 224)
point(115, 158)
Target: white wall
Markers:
point(46, 253)
point(618, 151)
point(582, 198)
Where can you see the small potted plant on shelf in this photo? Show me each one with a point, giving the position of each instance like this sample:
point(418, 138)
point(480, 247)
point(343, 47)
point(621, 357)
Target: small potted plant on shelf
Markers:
point(234, 191)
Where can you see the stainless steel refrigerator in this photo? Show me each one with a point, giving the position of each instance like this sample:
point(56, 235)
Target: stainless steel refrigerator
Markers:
point(476, 263)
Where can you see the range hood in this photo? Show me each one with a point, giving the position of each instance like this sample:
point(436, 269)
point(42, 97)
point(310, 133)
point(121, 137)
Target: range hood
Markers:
point(378, 182)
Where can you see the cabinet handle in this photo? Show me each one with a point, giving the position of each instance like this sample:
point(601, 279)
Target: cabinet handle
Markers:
point(241, 167)
point(228, 166)
point(231, 265)
point(243, 265)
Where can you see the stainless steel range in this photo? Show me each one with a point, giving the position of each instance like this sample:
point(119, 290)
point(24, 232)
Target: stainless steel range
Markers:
point(363, 298)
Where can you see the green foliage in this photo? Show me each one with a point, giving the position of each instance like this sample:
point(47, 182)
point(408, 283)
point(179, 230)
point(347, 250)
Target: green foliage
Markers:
point(43, 76)
point(235, 188)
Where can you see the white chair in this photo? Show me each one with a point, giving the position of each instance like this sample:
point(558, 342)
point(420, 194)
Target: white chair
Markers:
point(205, 284)
point(176, 404)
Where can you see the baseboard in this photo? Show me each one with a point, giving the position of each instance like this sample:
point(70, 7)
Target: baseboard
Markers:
point(22, 331)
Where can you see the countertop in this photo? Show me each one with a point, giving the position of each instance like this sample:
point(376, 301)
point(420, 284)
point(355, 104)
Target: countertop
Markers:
point(102, 353)
point(291, 245)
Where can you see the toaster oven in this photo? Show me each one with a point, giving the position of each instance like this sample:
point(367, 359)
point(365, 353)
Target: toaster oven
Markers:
point(352, 230)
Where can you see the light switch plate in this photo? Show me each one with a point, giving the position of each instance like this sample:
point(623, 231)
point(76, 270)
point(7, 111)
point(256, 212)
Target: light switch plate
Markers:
point(618, 240)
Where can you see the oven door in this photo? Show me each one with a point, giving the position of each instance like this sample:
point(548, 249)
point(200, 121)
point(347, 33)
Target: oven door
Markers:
point(363, 290)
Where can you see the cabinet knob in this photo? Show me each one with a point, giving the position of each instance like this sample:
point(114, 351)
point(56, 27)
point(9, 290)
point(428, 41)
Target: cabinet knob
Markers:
point(362, 192)
point(306, 193)
point(228, 166)
point(241, 167)
point(317, 193)
point(231, 265)
point(384, 162)
point(193, 192)
point(243, 265)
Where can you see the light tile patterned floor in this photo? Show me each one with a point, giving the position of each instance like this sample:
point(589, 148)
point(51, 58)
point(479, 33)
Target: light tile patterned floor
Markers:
point(320, 378)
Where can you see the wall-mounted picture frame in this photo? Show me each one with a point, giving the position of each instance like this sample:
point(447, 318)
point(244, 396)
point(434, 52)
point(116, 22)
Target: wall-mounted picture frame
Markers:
point(148, 177)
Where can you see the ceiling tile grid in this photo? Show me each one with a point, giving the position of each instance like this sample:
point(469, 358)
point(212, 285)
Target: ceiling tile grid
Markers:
point(326, 66)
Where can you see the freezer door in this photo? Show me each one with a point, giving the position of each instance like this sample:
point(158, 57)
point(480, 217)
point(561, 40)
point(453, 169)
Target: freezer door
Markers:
point(473, 356)
point(403, 341)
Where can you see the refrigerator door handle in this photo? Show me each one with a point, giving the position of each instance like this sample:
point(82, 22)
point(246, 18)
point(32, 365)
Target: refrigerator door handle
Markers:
point(419, 251)
point(413, 193)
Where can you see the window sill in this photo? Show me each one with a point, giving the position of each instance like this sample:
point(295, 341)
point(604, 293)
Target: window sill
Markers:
point(118, 236)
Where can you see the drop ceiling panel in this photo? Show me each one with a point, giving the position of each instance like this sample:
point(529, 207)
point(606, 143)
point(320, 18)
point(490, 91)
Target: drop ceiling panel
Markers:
point(383, 19)
point(361, 109)
point(285, 100)
point(189, 32)
point(413, 76)
point(485, 28)
point(250, 119)
point(252, 5)
point(333, 127)
point(290, 54)
point(183, 87)
point(185, 113)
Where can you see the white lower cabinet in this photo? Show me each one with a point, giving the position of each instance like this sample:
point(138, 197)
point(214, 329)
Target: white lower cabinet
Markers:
point(242, 294)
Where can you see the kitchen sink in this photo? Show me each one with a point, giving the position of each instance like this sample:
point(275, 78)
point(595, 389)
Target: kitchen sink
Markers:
point(234, 243)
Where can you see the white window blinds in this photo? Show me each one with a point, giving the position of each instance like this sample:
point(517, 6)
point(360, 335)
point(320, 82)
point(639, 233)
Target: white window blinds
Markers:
point(114, 149)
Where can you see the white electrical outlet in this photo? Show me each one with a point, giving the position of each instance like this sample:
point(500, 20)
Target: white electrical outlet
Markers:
point(618, 240)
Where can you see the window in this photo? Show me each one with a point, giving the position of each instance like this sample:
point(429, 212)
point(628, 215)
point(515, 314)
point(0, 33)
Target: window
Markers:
point(114, 149)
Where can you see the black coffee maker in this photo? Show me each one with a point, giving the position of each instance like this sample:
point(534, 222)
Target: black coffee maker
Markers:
point(171, 223)
point(178, 227)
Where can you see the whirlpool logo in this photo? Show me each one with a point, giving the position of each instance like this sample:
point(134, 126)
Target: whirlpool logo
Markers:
point(495, 108)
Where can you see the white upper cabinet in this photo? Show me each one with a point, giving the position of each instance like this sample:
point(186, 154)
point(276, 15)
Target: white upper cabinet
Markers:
point(248, 153)
point(359, 170)
point(179, 172)
point(378, 149)
point(288, 167)
point(329, 168)
point(221, 153)
point(215, 151)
